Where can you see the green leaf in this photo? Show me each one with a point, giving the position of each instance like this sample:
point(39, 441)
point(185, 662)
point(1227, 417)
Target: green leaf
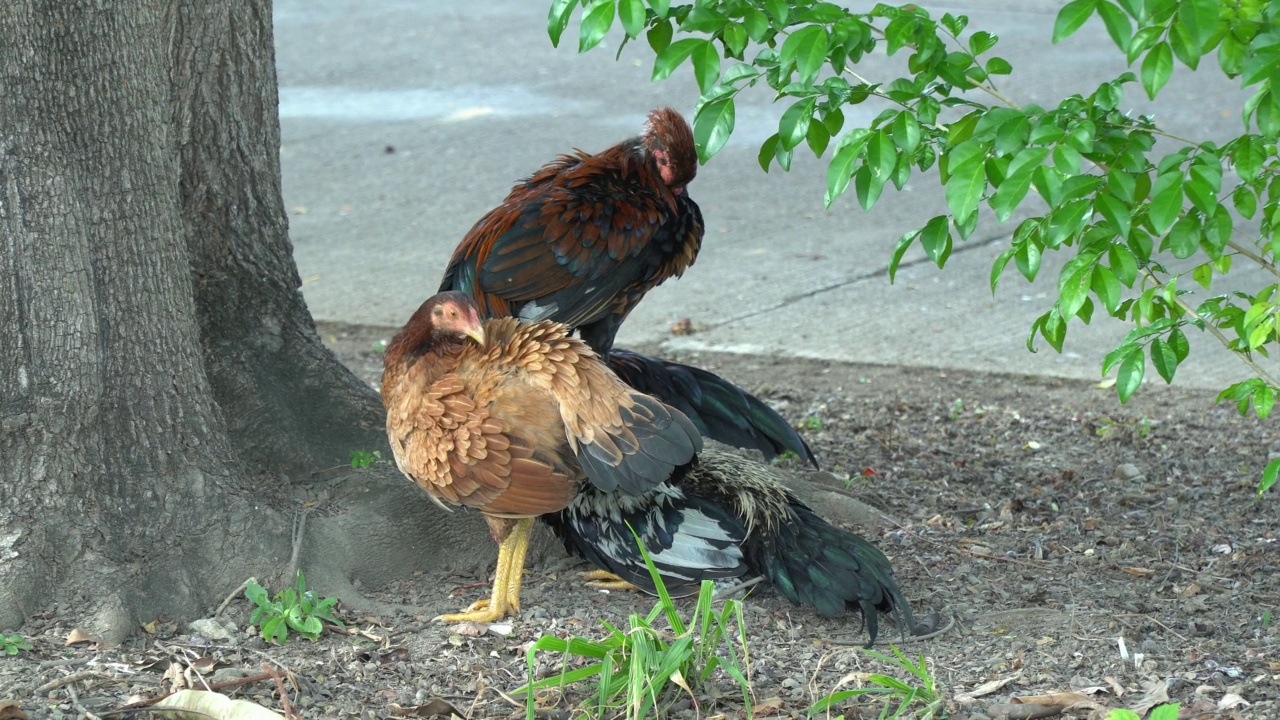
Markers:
point(997, 268)
point(778, 9)
point(757, 24)
point(1269, 476)
point(596, 21)
point(1184, 237)
point(807, 48)
point(706, 65)
point(1245, 202)
point(1123, 264)
point(1028, 260)
point(768, 151)
point(558, 19)
point(1178, 342)
point(1157, 67)
point(1107, 287)
point(659, 36)
point(712, 126)
point(661, 8)
point(965, 188)
point(794, 125)
point(818, 138)
point(1248, 154)
point(631, 13)
point(1073, 288)
point(1164, 359)
point(839, 172)
point(906, 132)
point(672, 55)
point(878, 168)
point(734, 38)
point(1115, 212)
point(998, 66)
point(1118, 25)
point(981, 41)
point(935, 239)
point(900, 249)
point(1071, 17)
point(1166, 201)
point(1129, 376)
point(1198, 19)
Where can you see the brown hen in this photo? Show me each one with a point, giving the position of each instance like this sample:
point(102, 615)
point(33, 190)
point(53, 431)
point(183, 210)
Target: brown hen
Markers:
point(511, 419)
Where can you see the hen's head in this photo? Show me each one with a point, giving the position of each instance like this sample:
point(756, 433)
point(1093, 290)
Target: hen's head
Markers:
point(445, 318)
point(668, 138)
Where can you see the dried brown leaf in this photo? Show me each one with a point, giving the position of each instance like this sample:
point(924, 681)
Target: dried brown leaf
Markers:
point(435, 707)
point(81, 636)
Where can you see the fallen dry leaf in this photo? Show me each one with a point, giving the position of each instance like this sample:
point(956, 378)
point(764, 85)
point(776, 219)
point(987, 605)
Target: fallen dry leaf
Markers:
point(80, 635)
point(1058, 699)
point(986, 688)
point(1139, 571)
point(1154, 692)
point(435, 707)
point(1231, 701)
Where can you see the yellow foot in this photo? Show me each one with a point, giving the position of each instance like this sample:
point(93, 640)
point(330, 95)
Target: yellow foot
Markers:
point(606, 580)
point(478, 612)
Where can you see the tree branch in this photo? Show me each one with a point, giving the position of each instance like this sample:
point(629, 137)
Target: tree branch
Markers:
point(1213, 330)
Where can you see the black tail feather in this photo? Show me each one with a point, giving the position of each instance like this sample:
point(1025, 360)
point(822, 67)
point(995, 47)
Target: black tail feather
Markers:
point(812, 562)
point(726, 517)
point(719, 409)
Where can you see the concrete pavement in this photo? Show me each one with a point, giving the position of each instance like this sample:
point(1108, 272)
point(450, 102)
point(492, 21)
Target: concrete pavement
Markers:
point(404, 122)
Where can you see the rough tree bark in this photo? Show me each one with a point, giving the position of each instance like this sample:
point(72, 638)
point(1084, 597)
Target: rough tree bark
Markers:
point(165, 402)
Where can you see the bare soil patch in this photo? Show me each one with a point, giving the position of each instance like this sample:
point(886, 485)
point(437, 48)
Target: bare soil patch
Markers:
point(1039, 520)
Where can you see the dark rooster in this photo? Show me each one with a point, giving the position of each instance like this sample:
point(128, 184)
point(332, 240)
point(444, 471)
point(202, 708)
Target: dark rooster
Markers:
point(515, 420)
point(583, 239)
point(731, 517)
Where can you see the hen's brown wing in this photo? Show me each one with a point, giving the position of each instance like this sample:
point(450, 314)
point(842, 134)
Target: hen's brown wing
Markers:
point(451, 445)
point(579, 242)
point(623, 439)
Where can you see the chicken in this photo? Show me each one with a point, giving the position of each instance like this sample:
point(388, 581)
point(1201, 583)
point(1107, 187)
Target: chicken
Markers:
point(514, 420)
point(720, 410)
point(728, 517)
point(583, 239)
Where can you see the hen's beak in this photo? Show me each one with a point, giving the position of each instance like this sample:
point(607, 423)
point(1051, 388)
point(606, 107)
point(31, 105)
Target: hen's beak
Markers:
point(475, 331)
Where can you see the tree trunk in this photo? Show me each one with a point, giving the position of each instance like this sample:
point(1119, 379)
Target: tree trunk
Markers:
point(164, 399)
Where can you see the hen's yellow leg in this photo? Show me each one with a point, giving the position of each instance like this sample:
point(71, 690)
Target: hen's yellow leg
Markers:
point(606, 580)
point(505, 596)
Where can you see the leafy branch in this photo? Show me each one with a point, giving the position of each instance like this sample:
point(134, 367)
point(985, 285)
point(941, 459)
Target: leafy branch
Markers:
point(1127, 215)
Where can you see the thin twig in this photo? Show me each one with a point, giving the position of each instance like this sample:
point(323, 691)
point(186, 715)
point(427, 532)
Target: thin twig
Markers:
point(1248, 252)
point(69, 661)
point(1213, 330)
point(284, 692)
point(75, 703)
point(233, 595)
point(246, 680)
point(68, 679)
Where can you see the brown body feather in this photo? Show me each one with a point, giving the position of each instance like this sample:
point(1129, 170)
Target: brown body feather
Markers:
point(512, 426)
point(586, 236)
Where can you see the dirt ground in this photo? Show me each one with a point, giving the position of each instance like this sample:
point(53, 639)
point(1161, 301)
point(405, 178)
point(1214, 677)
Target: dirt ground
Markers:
point(1062, 543)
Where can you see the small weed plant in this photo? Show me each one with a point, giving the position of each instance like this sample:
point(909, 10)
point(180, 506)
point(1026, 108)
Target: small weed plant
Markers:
point(293, 608)
point(1168, 711)
point(633, 669)
point(14, 643)
point(902, 699)
point(361, 459)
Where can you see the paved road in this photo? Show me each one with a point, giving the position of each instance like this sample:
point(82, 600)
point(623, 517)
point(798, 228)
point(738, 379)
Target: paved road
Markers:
point(403, 122)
